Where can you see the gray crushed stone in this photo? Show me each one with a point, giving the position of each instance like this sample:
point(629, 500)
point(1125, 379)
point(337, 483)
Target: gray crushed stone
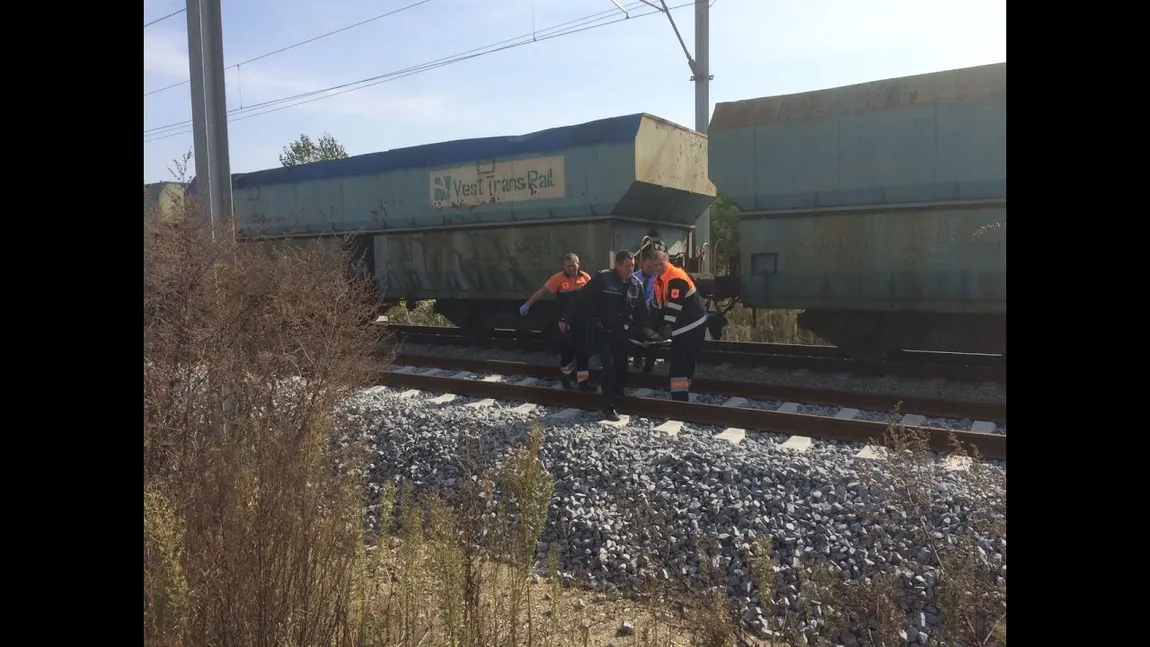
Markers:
point(631, 504)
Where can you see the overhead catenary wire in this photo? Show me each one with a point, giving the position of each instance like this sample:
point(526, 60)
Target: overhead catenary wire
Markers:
point(297, 44)
point(493, 47)
point(597, 20)
point(174, 13)
point(440, 62)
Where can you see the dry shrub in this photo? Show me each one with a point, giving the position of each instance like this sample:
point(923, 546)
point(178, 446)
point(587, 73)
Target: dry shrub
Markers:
point(771, 326)
point(743, 324)
point(252, 535)
point(423, 314)
point(459, 571)
point(963, 556)
point(987, 229)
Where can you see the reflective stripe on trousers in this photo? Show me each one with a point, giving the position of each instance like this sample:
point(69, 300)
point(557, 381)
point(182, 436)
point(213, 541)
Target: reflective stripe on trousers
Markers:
point(685, 350)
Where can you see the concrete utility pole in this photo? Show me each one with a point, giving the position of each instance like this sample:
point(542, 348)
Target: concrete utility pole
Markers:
point(702, 78)
point(701, 75)
point(209, 107)
point(210, 132)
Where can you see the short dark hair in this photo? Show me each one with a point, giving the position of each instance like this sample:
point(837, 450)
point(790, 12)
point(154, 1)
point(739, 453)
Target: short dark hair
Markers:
point(623, 255)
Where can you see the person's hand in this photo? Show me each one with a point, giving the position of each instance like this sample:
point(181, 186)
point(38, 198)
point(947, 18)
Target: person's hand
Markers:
point(523, 309)
point(563, 326)
point(665, 331)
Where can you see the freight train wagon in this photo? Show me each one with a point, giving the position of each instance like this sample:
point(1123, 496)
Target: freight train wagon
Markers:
point(878, 208)
point(480, 224)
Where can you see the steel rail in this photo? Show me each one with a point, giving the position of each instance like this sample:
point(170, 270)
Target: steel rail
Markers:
point(932, 407)
point(753, 347)
point(988, 446)
point(746, 354)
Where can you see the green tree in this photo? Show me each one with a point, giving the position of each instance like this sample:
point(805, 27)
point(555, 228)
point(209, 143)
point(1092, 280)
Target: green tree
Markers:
point(725, 218)
point(305, 151)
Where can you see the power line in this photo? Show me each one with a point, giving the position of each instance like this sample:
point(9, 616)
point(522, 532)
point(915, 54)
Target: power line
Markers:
point(182, 128)
point(335, 90)
point(300, 43)
point(486, 49)
point(254, 109)
point(174, 13)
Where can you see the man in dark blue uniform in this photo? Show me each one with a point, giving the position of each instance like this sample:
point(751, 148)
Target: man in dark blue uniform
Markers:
point(611, 303)
point(642, 350)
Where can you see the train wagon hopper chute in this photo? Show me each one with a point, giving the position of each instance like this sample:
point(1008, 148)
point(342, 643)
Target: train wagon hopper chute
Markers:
point(479, 224)
point(878, 209)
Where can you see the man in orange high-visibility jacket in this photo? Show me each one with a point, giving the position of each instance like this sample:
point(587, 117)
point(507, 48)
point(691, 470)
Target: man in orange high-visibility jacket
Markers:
point(573, 355)
point(682, 316)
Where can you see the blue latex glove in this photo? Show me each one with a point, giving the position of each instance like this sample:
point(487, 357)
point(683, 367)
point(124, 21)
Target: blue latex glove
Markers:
point(523, 310)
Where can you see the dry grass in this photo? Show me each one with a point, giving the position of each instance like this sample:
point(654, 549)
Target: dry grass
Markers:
point(743, 324)
point(458, 568)
point(773, 326)
point(254, 535)
point(423, 315)
point(965, 576)
point(250, 535)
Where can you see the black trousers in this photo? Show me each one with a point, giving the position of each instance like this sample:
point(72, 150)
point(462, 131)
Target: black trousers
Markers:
point(612, 351)
point(573, 354)
point(644, 357)
point(685, 349)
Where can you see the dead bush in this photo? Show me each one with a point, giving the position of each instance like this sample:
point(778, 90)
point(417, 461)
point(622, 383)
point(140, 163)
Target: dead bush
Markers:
point(251, 535)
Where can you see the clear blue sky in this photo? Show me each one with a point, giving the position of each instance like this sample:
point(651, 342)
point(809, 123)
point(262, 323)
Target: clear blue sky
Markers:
point(758, 48)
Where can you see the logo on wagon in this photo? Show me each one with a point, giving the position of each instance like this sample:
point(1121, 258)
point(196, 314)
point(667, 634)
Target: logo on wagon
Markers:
point(441, 188)
point(539, 178)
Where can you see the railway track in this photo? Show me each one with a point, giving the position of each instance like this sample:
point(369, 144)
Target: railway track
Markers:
point(419, 373)
point(827, 359)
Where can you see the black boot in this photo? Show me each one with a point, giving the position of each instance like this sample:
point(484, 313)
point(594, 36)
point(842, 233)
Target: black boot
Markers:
point(566, 380)
point(609, 414)
point(586, 386)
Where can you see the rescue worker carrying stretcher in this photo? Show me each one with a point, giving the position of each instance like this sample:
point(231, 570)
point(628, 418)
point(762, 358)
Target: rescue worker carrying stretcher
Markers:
point(682, 316)
point(643, 350)
point(611, 303)
point(572, 339)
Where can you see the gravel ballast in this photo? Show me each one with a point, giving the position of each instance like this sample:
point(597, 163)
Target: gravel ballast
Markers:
point(632, 504)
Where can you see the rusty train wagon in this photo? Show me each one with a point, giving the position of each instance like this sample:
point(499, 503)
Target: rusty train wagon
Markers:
point(480, 224)
point(878, 208)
